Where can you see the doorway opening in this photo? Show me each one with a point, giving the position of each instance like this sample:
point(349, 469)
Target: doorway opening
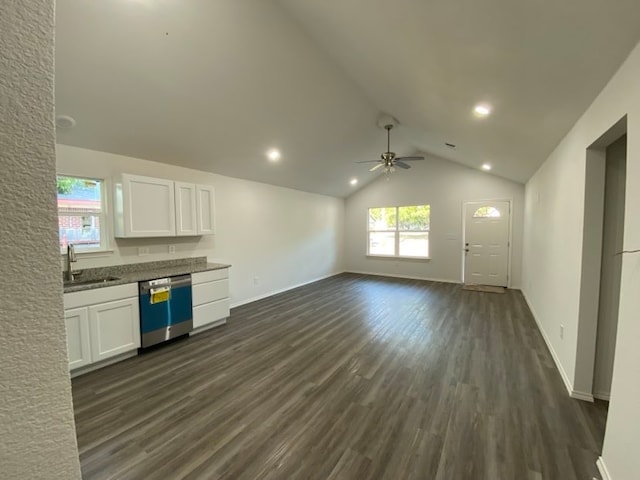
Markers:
point(603, 232)
point(611, 266)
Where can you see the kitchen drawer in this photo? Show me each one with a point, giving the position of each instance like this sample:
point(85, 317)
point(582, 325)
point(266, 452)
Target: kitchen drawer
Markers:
point(209, 292)
point(210, 276)
point(99, 295)
point(210, 312)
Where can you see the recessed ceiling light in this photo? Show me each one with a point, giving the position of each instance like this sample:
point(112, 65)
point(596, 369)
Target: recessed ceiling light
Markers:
point(65, 121)
point(353, 181)
point(486, 166)
point(482, 110)
point(273, 155)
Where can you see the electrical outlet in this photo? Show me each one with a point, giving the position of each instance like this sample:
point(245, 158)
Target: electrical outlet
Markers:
point(172, 249)
point(256, 281)
point(143, 251)
point(561, 331)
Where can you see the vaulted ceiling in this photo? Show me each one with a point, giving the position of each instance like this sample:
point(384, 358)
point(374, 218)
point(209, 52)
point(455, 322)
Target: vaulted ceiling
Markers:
point(214, 84)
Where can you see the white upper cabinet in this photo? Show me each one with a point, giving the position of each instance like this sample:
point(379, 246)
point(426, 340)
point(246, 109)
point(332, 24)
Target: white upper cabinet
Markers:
point(206, 202)
point(144, 207)
point(186, 209)
point(154, 207)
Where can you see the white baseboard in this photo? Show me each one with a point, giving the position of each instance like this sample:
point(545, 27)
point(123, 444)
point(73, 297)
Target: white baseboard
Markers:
point(282, 290)
point(554, 355)
point(104, 363)
point(584, 396)
point(204, 328)
point(276, 292)
point(606, 396)
point(602, 468)
point(378, 274)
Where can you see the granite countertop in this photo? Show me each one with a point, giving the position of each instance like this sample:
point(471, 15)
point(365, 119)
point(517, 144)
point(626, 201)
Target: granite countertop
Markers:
point(91, 278)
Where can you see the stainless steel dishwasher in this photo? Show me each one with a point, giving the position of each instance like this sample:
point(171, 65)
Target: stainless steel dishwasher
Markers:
point(165, 309)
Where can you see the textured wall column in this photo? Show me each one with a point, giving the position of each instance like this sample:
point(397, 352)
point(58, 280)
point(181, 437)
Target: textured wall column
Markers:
point(37, 434)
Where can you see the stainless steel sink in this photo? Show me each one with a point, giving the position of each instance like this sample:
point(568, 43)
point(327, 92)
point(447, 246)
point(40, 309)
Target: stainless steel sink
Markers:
point(94, 281)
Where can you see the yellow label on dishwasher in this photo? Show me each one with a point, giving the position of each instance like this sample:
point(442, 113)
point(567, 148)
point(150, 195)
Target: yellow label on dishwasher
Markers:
point(159, 297)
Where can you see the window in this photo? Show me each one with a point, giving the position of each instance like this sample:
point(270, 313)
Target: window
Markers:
point(486, 212)
point(399, 231)
point(81, 217)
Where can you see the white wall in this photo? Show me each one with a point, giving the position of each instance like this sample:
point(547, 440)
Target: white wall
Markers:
point(281, 236)
point(37, 435)
point(554, 214)
point(445, 186)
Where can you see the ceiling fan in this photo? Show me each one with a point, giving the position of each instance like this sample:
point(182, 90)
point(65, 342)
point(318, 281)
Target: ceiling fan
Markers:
point(388, 159)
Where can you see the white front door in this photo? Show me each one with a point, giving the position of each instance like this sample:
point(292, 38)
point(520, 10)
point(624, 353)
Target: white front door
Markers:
point(486, 234)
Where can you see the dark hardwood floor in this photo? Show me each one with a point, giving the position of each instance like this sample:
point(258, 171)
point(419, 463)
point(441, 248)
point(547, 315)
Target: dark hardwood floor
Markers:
point(353, 377)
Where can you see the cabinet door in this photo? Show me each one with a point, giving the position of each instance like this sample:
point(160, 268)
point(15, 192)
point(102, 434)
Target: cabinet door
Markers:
point(206, 206)
point(78, 344)
point(149, 207)
point(186, 209)
point(115, 328)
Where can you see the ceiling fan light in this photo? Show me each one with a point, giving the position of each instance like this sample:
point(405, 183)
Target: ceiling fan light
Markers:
point(388, 159)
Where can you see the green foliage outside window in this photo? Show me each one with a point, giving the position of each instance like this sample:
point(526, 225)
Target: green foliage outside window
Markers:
point(67, 184)
point(415, 217)
point(382, 218)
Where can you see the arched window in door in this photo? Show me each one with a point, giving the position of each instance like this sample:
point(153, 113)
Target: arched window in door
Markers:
point(487, 212)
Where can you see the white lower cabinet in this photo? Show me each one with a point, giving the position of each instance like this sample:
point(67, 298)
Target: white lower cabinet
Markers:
point(78, 343)
point(210, 312)
point(210, 297)
point(114, 328)
point(101, 323)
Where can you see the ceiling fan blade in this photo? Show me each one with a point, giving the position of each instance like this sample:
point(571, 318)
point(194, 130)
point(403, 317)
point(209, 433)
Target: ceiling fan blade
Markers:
point(404, 159)
point(369, 161)
point(401, 164)
point(375, 167)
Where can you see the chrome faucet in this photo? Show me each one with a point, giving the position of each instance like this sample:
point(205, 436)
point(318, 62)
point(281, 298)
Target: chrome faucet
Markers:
point(71, 258)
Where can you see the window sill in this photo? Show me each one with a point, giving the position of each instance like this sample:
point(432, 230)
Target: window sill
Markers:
point(396, 257)
point(92, 254)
